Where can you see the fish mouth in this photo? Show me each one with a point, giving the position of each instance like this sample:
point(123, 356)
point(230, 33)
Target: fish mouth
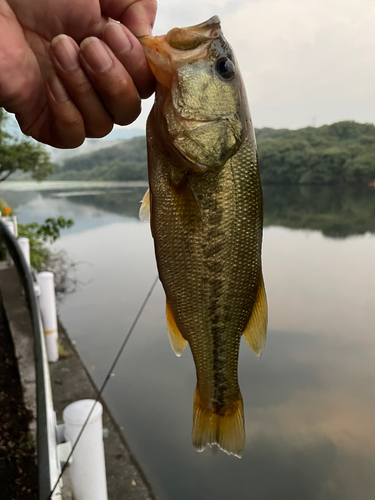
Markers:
point(179, 45)
point(190, 38)
point(206, 27)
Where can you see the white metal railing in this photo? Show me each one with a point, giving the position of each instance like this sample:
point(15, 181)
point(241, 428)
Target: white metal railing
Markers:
point(57, 445)
point(48, 461)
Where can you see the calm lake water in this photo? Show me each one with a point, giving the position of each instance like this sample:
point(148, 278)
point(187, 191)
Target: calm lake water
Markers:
point(310, 400)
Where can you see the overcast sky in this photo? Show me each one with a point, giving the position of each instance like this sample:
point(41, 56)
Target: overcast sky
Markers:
point(304, 62)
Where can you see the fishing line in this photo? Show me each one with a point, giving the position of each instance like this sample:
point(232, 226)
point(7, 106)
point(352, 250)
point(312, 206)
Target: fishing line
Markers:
point(108, 376)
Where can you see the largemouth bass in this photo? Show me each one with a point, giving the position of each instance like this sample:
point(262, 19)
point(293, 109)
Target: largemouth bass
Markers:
point(206, 211)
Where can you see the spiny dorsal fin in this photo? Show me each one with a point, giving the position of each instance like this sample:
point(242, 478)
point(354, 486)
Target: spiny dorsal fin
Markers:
point(177, 341)
point(144, 211)
point(255, 331)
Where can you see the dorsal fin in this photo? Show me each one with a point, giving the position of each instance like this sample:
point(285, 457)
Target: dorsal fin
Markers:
point(176, 339)
point(255, 331)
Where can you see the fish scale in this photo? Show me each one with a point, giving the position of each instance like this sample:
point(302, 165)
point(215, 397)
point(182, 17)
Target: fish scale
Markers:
point(206, 219)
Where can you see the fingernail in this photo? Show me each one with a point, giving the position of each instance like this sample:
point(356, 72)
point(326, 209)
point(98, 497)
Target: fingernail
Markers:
point(96, 55)
point(117, 38)
point(65, 52)
point(57, 89)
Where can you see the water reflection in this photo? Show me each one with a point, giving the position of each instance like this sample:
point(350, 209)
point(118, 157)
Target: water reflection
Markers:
point(90, 199)
point(309, 401)
point(337, 212)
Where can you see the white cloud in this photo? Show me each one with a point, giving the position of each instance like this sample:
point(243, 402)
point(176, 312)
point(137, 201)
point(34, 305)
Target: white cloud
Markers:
point(301, 60)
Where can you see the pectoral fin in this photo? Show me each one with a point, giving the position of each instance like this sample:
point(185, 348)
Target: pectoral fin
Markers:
point(144, 211)
point(177, 341)
point(255, 331)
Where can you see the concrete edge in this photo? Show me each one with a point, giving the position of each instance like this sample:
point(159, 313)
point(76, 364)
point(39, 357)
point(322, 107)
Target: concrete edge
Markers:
point(70, 381)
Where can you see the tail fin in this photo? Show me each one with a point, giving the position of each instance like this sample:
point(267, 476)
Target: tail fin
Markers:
point(226, 428)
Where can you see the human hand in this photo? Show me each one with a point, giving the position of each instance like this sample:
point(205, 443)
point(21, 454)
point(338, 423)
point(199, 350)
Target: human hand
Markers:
point(60, 92)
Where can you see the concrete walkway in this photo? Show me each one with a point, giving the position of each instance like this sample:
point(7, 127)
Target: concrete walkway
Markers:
point(70, 382)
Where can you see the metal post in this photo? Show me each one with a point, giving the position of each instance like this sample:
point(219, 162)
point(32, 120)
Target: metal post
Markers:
point(25, 247)
point(10, 225)
point(49, 317)
point(15, 224)
point(88, 466)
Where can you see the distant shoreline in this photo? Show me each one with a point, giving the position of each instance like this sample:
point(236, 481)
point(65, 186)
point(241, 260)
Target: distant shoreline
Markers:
point(66, 183)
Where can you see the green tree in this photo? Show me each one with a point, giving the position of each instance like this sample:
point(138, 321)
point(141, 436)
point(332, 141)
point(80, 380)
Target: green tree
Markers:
point(21, 155)
point(337, 154)
point(126, 161)
point(39, 235)
point(29, 157)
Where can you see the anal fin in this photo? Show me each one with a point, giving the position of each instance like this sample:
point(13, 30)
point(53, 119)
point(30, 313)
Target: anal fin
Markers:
point(144, 211)
point(255, 331)
point(176, 339)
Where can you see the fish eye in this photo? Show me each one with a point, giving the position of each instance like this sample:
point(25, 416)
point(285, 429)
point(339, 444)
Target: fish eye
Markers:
point(225, 68)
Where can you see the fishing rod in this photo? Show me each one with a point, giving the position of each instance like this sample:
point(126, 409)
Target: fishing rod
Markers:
point(108, 376)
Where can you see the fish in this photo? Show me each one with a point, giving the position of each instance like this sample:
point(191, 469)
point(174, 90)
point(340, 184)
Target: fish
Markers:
point(205, 207)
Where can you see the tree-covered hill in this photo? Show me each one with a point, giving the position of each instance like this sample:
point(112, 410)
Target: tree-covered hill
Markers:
point(337, 154)
point(125, 162)
point(341, 153)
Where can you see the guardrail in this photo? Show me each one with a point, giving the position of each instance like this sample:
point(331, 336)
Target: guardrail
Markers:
point(48, 459)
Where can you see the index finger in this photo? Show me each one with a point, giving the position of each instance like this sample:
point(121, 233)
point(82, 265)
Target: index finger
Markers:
point(137, 15)
point(129, 52)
